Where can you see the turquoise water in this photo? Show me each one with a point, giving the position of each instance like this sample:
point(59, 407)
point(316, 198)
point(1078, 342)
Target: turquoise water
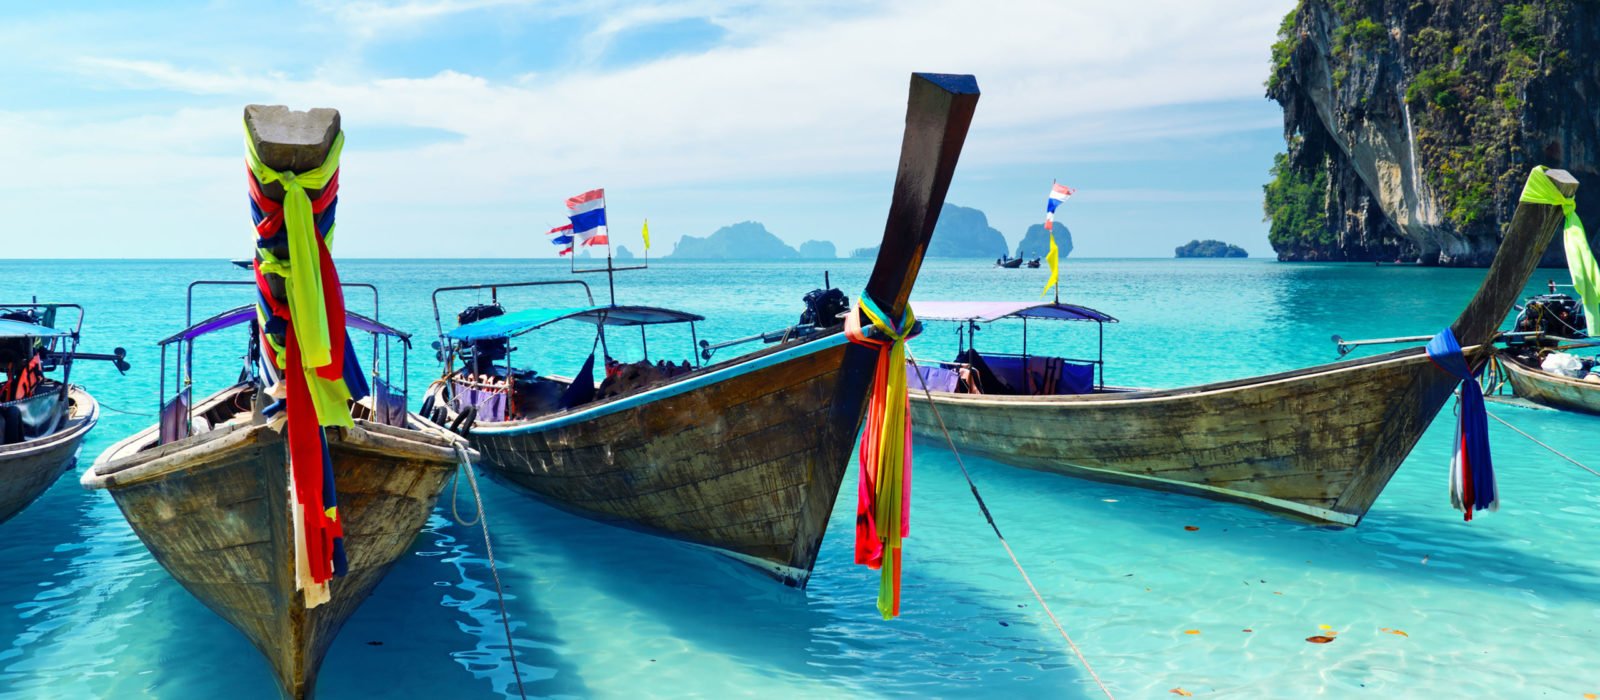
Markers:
point(1506, 606)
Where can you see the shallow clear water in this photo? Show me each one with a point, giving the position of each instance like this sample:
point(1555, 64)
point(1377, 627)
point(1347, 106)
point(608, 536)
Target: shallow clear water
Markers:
point(1506, 606)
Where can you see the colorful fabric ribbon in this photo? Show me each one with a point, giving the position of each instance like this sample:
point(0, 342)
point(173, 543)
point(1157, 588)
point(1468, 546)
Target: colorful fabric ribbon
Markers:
point(1580, 259)
point(1472, 485)
point(320, 369)
point(883, 499)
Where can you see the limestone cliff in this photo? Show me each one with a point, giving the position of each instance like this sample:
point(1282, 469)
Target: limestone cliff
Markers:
point(1412, 124)
point(748, 240)
point(1036, 241)
point(962, 232)
point(822, 250)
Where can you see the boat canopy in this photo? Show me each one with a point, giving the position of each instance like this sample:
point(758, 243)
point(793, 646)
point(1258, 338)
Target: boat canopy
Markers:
point(987, 311)
point(519, 322)
point(236, 316)
point(10, 328)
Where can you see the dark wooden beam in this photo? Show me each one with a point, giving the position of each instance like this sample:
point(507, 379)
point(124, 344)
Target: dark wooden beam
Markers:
point(1532, 227)
point(938, 114)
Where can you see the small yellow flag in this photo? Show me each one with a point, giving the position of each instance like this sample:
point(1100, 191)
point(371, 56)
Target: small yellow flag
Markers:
point(647, 234)
point(1055, 266)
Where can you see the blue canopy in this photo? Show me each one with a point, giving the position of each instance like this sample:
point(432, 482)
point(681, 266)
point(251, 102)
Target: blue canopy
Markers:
point(987, 311)
point(519, 322)
point(21, 329)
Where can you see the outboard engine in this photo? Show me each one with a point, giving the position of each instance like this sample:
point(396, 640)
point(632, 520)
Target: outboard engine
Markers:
point(825, 308)
point(483, 351)
point(1557, 315)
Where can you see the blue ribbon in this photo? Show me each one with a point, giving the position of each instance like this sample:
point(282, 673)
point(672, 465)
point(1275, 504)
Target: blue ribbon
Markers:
point(1471, 448)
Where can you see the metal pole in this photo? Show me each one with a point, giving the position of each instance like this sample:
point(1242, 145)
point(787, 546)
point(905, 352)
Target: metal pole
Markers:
point(1102, 326)
point(161, 392)
point(694, 344)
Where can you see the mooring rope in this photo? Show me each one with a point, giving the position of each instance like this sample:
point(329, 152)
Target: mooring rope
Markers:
point(114, 409)
point(1540, 443)
point(990, 517)
point(455, 490)
point(488, 548)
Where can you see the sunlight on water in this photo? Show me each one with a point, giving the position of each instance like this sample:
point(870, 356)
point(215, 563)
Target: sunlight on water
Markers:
point(1504, 606)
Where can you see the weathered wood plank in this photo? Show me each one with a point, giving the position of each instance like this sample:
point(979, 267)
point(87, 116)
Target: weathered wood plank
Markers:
point(220, 526)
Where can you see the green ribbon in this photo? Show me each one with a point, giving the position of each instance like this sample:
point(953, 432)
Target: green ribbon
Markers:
point(1580, 259)
point(303, 277)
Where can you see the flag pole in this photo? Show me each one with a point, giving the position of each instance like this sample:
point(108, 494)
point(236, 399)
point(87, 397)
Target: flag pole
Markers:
point(1057, 288)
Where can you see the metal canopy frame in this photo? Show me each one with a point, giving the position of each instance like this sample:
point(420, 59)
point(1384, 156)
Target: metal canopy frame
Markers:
point(971, 326)
point(183, 365)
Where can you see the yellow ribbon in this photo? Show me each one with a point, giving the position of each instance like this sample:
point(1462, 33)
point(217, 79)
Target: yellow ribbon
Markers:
point(1054, 258)
point(1580, 259)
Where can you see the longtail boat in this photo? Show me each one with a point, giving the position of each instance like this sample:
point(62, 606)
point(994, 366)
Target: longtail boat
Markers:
point(281, 501)
point(1548, 324)
point(1548, 388)
point(43, 420)
point(1318, 443)
point(744, 456)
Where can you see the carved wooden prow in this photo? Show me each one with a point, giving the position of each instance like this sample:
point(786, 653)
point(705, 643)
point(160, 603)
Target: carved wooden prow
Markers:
point(289, 141)
point(1532, 227)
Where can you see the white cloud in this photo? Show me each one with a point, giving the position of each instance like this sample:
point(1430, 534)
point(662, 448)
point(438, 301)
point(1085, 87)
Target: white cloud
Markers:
point(808, 98)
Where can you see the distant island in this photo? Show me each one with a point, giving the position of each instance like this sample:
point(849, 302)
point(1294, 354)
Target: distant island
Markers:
point(818, 250)
point(745, 240)
point(623, 253)
point(1036, 242)
point(1210, 249)
point(962, 232)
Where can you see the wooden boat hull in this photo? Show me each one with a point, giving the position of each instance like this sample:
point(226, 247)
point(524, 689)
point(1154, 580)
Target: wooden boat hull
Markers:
point(745, 457)
point(214, 511)
point(28, 469)
point(1551, 390)
point(1319, 444)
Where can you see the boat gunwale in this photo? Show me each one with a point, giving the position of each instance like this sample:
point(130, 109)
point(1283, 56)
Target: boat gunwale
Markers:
point(116, 467)
point(1198, 390)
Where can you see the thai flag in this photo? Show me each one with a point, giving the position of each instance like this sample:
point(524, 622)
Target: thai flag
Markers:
point(588, 214)
point(562, 236)
point(1058, 194)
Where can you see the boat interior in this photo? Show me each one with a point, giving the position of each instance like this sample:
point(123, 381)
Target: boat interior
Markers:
point(1011, 374)
point(35, 415)
point(488, 383)
point(483, 379)
point(258, 387)
point(31, 403)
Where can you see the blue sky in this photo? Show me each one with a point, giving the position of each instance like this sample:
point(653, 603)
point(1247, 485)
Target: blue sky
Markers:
point(468, 122)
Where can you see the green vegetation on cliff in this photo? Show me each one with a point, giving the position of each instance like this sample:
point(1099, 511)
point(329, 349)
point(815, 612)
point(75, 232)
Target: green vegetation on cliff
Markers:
point(1420, 119)
point(1296, 204)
